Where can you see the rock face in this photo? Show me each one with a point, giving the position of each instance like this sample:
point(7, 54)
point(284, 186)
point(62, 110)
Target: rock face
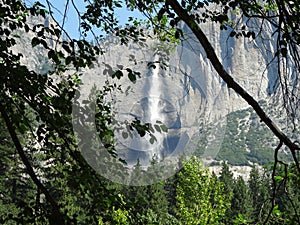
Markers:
point(162, 96)
point(188, 93)
point(34, 58)
point(248, 61)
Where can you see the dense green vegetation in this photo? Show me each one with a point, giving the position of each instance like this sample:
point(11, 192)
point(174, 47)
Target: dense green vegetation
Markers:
point(246, 140)
point(44, 178)
point(192, 196)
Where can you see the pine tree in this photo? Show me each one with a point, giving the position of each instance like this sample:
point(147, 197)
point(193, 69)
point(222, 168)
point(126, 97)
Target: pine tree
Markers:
point(287, 199)
point(148, 203)
point(226, 177)
point(259, 186)
point(241, 200)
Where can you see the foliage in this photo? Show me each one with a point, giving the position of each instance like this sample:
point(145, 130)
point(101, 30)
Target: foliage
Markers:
point(44, 178)
point(200, 198)
point(246, 139)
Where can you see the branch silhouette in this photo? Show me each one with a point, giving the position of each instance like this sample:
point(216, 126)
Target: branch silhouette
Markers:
point(211, 55)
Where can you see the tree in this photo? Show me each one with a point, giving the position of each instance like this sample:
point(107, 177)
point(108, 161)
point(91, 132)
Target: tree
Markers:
point(285, 196)
point(241, 203)
point(200, 198)
point(17, 193)
point(259, 194)
point(53, 184)
point(148, 203)
point(226, 177)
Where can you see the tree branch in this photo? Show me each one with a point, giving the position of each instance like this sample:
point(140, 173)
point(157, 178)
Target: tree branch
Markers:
point(58, 216)
point(275, 188)
point(211, 55)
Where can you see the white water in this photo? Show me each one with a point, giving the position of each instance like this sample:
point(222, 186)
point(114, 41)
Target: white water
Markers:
point(155, 108)
point(150, 110)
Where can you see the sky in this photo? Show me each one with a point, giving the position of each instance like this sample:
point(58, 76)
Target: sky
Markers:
point(72, 23)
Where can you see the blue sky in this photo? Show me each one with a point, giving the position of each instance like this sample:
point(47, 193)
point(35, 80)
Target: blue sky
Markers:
point(71, 23)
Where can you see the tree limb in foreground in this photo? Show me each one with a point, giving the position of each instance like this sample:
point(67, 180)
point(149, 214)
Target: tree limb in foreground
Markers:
point(57, 215)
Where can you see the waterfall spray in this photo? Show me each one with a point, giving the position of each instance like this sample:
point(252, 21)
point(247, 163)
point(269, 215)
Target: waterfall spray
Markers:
point(155, 108)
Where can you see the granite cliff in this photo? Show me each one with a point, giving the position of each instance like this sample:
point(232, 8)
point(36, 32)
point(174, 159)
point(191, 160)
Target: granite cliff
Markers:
point(191, 98)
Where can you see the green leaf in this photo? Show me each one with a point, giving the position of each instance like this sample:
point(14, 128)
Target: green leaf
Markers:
point(38, 4)
point(132, 77)
point(157, 128)
point(67, 48)
point(152, 140)
point(232, 33)
point(35, 41)
point(123, 161)
point(278, 178)
point(44, 43)
point(118, 74)
point(164, 128)
point(125, 135)
point(53, 55)
point(68, 60)
point(160, 14)
point(22, 128)
point(120, 67)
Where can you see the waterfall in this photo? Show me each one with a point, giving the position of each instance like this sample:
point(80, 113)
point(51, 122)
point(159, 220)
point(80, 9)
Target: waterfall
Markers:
point(150, 110)
point(155, 108)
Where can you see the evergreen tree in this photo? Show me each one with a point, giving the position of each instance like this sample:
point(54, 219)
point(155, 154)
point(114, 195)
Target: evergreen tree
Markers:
point(240, 203)
point(259, 186)
point(148, 203)
point(226, 177)
point(17, 192)
point(287, 199)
